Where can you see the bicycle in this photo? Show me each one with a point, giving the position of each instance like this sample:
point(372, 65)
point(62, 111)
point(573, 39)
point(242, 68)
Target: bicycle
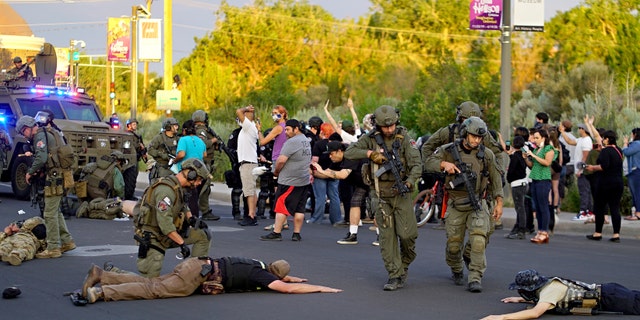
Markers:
point(429, 203)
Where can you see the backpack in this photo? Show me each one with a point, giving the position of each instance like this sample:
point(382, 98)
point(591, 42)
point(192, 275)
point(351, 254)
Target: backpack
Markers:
point(62, 154)
point(566, 156)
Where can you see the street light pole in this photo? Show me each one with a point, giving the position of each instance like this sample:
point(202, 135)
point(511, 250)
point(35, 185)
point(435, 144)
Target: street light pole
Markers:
point(134, 61)
point(505, 72)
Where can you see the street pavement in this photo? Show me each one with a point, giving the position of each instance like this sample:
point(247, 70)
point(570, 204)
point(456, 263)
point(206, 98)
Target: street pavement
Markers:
point(357, 269)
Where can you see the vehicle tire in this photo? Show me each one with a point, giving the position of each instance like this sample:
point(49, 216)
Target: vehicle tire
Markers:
point(21, 189)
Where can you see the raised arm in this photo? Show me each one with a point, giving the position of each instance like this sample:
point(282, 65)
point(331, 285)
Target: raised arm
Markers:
point(332, 121)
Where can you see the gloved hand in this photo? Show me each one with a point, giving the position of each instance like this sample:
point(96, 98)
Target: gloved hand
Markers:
point(377, 157)
point(184, 250)
point(408, 184)
point(192, 221)
point(202, 225)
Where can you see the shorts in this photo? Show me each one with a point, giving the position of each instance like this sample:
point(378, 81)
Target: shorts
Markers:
point(358, 196)
point(248, 179)
point(291, 199)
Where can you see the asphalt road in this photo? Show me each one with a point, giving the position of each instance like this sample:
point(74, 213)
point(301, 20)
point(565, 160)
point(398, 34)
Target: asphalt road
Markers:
point(357, 269)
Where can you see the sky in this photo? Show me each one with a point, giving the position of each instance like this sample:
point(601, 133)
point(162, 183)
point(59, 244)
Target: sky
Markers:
point(59, 21)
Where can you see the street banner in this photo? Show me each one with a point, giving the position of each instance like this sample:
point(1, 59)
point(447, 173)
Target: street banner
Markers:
point(150, 39)
point(485, 14)
point(62, 68)
point(118, 39)
point(528, 15)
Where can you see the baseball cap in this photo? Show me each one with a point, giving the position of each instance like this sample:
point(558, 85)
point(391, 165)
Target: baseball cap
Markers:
point(347, 124)
point(584, 127)
point(335, 146)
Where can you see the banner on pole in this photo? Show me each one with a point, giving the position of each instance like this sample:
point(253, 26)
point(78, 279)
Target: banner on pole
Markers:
point(118, 39)
point(150, 40)
point(485, 14)
point(528, 15)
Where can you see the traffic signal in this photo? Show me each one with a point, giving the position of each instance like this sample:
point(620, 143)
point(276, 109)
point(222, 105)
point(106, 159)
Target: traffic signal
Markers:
point(112, 90)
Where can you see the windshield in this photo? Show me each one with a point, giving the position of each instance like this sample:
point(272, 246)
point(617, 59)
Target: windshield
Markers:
point(74, 110)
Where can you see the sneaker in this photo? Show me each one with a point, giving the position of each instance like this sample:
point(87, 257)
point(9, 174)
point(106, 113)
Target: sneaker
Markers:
point(516, 235)
point(47, 254)
point(270, 227)
point(210, 216)
point(475, 286)
point(108, 265)
point(248, 222)
point(351, 238)
point(458, 278)
point(392, 284)
point(272, 237)
point(237, 217)
point(582, 216)
point(296, 237)
point(68, 246)
point(94, 294)
point(12, 259)
point(377, 242)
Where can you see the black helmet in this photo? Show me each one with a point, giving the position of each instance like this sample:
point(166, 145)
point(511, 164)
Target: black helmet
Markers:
point(17, 60)
point(168, 123)
point(473, 125)
point(385, 116)
point(468, 109)
point(528, 280)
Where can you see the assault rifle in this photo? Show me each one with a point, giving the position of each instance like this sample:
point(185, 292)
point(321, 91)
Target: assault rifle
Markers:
point(140, 152)
point(465, 176)
point(393, 164)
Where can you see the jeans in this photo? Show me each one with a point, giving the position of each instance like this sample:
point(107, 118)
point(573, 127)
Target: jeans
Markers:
point(540, 196)
point(584, 188)
point(633, 179)
point(323, 188)
point(518, 194)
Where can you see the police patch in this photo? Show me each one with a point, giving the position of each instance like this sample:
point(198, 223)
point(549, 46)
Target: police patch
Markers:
point(162, 206)
point(167, 200)
point(40, 144)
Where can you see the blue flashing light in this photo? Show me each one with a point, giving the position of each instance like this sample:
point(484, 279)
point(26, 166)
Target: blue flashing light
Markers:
point(2, 119)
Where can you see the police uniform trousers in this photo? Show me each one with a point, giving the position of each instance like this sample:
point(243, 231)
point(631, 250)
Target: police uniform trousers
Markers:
point(203, 200)
point(151, 266)
point(57, 232)
point(22, 244)
point(183, 281)
point(478, 225)
point(398, 233)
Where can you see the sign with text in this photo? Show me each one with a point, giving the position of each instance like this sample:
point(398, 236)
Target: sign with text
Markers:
point(118, 39)
point(528, 15)
point(168, 99)
point(150, 40)
point(485, 14)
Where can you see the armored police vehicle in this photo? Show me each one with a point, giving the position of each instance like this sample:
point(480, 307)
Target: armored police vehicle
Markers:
point(74, 112)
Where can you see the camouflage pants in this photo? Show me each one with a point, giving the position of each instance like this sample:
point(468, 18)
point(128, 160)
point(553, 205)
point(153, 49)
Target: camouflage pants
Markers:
point(22, 244)
point(398, 233)
point(478, 225)
point(151, 266)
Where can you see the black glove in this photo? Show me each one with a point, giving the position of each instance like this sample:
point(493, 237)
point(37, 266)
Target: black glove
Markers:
point(184, 250)
point(202, 225)
point(192, 221)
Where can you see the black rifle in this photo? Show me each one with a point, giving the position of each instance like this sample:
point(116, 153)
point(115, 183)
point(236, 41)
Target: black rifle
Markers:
point(465, 176)
point(393, 163)
point(142, 151)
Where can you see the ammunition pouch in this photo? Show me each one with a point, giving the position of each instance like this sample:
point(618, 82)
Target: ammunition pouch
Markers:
point(388, 192)
point(367, 177)
point(462, 205)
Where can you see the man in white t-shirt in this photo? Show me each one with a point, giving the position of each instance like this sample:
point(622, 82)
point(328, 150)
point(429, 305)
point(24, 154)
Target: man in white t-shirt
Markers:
point(248, 159)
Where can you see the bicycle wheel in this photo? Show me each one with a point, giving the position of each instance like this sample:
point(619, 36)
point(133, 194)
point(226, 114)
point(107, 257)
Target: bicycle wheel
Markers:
point(425, 210)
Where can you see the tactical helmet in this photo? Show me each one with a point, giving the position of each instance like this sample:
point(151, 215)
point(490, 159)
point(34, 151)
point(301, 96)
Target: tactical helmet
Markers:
point(130, 121)
point(168, 123)
point(198, 168)
point(117, 155)
point(315, 122)
point(474, 126)
point(385, 116)
point(200, 116)
point(528, 280)
point(468, 109)
point(17, 60)
point(25, 121)
point(43, 117)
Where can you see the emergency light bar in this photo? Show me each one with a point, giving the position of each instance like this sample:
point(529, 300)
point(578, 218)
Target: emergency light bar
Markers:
point(49, 90)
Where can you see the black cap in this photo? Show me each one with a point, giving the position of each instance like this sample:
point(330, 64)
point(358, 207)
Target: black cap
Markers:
point(335, 146)
point(11, 292)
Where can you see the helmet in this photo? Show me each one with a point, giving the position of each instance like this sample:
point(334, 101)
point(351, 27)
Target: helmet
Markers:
point(17, 60)
point(315, 122)
point(528, 280)
point(168, 123)
point(385, 116)
point(130, 121)
point(200, 116)
point(468, 109)
point(43, 117)
point(25, 121)
point(474, 126)
point(196, 169)
point(117, 155)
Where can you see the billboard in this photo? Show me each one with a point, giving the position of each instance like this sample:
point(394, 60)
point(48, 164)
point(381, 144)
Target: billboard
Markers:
point(528, 15)
point(485, 14)
point(150, 39)
point(118, 39)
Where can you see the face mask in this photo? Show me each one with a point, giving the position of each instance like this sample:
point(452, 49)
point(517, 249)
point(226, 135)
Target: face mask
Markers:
point(276, 117)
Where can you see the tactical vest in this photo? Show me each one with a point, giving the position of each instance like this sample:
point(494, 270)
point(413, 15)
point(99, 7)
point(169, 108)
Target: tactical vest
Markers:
point(60, 154)
point(205, 133)
point(146, 220)
point(477, 161)
point(387, 179)
point(581, 298)
point(237, 272)
point(99, 177)
point(167, 145)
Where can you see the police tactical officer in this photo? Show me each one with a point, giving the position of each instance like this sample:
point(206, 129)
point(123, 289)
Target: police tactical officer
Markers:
point(131, 173)
point(20, 70)
point(104, 177)
point(393, 210)
point(471, 171)
point(210, 138)
point(45, 141)
point(163, 149)
point(162, 219)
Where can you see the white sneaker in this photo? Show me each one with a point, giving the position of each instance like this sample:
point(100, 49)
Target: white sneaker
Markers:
point(581, 217)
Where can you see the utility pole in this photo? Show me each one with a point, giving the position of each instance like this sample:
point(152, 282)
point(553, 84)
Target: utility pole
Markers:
point(145, 81)
point(134, 61)
point(168, 47)
point(505, 72)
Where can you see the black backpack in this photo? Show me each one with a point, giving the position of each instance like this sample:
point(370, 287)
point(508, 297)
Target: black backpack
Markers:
point(566, 156)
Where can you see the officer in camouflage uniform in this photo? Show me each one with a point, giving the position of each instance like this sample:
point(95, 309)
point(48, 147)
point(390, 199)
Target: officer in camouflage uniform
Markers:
point(210, 138)
point(163, 149)
point(131, 173)
point(43, 140)
point(163, 220)
point(101, 208)
point(484, 177)
point(393, 212)
point(22, 239)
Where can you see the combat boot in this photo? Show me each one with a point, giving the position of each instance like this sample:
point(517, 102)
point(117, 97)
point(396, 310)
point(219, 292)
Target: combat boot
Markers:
point(458, 278)
point(210, 216)
point(93, 276)
point(68, 246)
point(12, 258)
point(94, 294)
point(475, 286)
point(392, 284)
point(48, 254)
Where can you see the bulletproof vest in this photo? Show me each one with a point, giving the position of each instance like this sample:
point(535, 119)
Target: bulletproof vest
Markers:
point(146, 219)
point(387, 179)
point(100, 180)
point(237, 271)
point(169, 146)
point(579, 295)
point(205, 133)
point(476, 162)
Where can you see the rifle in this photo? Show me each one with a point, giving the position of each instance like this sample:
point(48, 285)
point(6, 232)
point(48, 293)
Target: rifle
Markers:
point(393, 163)
point(143, 151)
point(465, 176)
point(14, 73)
